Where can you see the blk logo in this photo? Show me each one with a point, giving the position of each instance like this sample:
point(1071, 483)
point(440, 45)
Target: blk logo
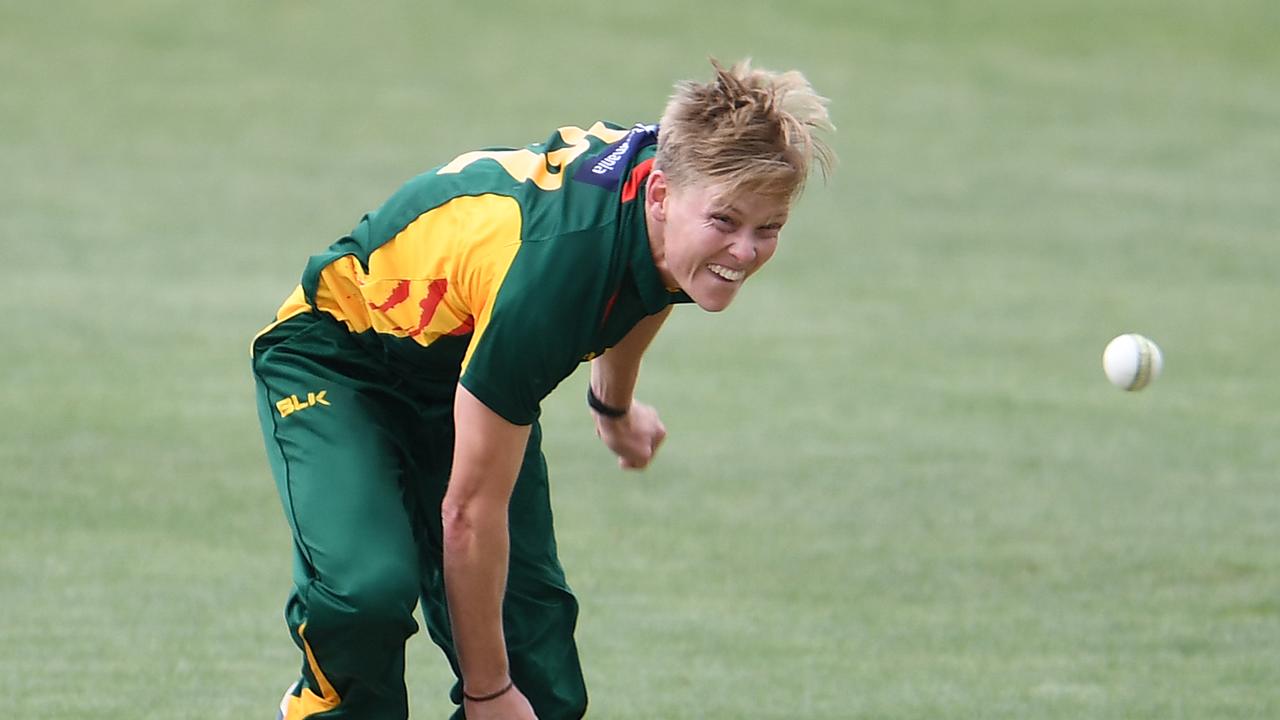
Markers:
point(292, 404)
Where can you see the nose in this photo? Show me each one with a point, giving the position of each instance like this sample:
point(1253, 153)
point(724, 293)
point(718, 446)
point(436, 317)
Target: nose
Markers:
point(742, 249)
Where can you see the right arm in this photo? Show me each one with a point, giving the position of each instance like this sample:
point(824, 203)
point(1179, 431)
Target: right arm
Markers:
point(488, 452)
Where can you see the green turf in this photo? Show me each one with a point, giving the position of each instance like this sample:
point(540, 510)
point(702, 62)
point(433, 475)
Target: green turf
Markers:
point(897, 484)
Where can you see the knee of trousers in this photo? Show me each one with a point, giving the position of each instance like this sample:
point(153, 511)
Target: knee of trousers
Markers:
point(543, 653)
point(359, 628)
point(567, 701)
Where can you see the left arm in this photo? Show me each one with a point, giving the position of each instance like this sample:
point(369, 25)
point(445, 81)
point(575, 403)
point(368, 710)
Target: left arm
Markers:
point(635, 436)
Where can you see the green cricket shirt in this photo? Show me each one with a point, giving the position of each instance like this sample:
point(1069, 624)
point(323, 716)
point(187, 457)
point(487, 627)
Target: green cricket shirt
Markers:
point(502, 269)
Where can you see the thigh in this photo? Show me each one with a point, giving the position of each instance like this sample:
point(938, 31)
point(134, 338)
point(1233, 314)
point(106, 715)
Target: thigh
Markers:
point(332, 442)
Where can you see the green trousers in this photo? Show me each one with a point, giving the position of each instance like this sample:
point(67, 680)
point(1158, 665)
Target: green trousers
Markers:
point(361, 464)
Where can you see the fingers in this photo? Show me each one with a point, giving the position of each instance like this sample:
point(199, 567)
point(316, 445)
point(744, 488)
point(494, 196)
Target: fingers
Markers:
point(626, 464)
point(634, 439)
point(635, 457)
point(642, 456)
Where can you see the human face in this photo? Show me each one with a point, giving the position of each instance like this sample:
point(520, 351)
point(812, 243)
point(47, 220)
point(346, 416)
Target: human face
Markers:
point(707, 242)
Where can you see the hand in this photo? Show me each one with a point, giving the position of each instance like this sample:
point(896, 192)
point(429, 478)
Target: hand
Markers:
point(634, 437)
point(510, 705)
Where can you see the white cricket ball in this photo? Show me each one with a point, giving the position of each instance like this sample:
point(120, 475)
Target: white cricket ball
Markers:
point(1132, 361)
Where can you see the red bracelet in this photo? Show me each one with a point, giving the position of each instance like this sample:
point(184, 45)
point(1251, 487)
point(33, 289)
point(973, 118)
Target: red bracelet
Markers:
point(490, 696)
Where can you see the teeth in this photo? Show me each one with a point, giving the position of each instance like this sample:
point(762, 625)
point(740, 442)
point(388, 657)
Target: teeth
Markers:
point(726, 273)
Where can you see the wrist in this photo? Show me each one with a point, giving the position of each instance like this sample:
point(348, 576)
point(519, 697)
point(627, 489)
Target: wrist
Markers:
point(487, 696)
point(599, 407)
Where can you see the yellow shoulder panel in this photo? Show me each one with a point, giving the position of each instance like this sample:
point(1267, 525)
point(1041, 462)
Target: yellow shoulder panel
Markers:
point(435, 277)
point(542, 169)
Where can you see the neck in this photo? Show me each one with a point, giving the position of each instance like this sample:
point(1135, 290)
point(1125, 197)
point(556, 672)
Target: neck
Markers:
point(658, 247)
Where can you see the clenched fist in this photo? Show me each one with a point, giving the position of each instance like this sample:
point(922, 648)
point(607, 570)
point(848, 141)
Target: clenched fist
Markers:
point(634, 437)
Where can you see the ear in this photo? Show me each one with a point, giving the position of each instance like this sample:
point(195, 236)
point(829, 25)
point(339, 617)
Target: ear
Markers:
point(656, 193)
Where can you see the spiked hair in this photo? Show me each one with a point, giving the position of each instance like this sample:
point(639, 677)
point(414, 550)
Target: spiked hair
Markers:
point(748, 129)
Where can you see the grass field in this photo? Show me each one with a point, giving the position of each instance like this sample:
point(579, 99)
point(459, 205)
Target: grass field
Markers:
point(897, 484)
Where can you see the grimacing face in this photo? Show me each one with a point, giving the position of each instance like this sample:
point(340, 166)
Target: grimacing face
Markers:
point(706, 242)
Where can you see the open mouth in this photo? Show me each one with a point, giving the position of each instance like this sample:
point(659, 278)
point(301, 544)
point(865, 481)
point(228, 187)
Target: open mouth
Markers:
point(726, 274)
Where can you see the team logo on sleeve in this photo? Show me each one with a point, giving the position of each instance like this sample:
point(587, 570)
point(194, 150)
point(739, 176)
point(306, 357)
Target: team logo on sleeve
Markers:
point(608, 168)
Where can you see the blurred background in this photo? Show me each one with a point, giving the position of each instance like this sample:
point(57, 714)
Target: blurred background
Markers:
point(897, 484)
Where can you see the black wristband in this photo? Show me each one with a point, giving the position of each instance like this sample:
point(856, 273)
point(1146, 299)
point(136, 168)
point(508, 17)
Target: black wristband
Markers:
point(490, 696)
point(598, 405)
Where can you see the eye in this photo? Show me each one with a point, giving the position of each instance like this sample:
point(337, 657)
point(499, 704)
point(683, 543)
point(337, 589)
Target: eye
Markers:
point(770, 231)
point(723, 222)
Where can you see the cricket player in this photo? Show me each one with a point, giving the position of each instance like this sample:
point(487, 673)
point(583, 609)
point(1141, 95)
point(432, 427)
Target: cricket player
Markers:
point(399, 386)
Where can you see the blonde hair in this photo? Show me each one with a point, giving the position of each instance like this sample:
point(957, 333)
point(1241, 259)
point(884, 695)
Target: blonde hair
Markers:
point(748, 129)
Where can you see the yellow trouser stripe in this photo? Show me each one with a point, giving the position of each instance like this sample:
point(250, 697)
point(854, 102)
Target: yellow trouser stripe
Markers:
point(308, 703)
